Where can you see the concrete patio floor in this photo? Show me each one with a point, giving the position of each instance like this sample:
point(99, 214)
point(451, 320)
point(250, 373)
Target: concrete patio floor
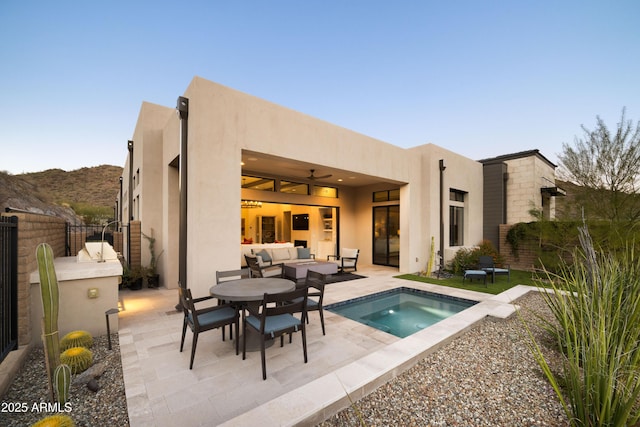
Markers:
point(223, 389)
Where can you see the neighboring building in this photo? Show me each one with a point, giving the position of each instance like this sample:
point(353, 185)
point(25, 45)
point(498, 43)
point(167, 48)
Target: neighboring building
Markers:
point(261, 173)
point(515, 186)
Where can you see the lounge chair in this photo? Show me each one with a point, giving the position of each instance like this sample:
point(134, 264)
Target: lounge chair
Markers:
point(485, 263)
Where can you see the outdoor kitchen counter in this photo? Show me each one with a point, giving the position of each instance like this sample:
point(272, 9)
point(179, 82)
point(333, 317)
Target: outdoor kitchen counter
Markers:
point(87, 291)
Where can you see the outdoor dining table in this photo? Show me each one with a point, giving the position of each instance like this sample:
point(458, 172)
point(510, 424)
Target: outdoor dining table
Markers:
point(251, 291)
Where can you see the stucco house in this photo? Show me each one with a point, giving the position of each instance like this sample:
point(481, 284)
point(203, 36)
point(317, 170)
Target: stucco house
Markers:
point(258, 173)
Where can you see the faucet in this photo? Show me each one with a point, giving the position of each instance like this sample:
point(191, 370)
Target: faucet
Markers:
point(102, 240)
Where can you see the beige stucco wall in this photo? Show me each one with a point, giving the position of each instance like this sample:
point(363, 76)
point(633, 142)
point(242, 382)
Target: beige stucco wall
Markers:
point(148, 178)
point(462, 174)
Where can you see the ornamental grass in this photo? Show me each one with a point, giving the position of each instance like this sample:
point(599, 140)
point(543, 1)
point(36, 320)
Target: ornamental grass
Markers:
point(596, 302)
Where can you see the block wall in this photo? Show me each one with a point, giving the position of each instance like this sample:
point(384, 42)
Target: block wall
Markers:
point(34, 229)
point(135, 228)
point(527, 255)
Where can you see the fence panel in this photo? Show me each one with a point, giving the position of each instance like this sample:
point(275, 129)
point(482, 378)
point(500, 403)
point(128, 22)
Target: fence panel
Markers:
point(8, 285)
point(77, 235)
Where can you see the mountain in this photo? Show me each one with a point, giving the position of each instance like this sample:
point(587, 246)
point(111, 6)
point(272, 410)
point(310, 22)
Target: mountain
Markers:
point(54, 191)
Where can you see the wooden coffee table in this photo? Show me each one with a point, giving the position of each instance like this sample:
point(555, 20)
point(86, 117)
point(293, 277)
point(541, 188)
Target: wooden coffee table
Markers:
point(298, 270)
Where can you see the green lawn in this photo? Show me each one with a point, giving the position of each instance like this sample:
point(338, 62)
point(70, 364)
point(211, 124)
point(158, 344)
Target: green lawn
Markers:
point(518, 277)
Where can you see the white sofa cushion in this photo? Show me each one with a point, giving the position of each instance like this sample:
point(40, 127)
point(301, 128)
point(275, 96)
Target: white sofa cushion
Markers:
point(281, 254)
point(293, 253)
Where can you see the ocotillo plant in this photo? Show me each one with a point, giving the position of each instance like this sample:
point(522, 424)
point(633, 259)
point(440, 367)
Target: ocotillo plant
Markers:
point(50, 299)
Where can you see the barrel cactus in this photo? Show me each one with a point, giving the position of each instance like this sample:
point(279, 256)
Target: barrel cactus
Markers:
point(79, 359)
point(76, 339)
point(55, 421)
point(62, 382)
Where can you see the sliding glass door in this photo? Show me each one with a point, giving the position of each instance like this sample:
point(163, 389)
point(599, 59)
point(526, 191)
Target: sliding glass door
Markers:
point(386, 235)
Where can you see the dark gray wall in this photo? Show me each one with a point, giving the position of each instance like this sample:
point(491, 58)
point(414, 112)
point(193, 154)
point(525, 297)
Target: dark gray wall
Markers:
point(494, 201)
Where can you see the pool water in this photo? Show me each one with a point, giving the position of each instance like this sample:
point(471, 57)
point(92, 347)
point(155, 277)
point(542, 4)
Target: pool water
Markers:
point(401, 311)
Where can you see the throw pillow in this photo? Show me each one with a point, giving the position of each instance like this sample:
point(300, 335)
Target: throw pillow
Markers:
point(304, 253)
point(264, 255)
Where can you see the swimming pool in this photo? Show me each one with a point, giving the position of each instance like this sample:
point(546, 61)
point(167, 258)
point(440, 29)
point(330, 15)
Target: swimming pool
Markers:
point(400, 311)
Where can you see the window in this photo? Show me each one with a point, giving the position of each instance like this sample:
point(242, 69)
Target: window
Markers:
point(386, 195)
point(456, 226)
point(257, 183)
point(456, 195)
point(325, 192)
point(456, 217)
point(294, 187)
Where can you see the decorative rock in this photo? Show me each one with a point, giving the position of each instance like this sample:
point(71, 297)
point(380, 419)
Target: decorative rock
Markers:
point(94, 371)
point(93, 385)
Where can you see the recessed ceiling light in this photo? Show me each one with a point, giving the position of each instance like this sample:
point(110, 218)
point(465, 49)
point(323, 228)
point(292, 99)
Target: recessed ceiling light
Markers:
point(339, 179)
point(241, 163)
point(352, 177)
point(252, 159)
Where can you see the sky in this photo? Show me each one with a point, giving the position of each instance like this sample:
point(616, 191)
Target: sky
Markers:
point(480, 78)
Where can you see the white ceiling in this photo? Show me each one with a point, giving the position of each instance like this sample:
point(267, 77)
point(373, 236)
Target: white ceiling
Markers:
point(273, 166)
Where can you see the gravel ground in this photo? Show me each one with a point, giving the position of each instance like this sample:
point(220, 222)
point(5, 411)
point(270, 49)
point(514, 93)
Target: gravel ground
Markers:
point(20, 406)
point(487, 377)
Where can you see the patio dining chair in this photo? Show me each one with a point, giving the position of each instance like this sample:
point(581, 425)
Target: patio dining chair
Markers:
point(275, 317)
point(315, 282)
point(225, 276)
point(205, 319)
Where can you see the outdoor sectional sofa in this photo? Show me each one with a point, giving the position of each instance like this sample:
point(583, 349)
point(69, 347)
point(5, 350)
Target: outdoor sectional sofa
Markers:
point(271, 253)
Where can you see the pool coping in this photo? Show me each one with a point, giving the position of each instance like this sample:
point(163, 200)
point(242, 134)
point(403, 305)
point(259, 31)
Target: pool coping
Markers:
point(321, 398)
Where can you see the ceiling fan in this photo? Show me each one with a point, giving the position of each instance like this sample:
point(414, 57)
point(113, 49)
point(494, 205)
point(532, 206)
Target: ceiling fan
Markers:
point(313, 177)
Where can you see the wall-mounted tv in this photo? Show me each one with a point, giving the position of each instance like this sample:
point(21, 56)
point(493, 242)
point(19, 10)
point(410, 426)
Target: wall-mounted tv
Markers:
point(300, 222)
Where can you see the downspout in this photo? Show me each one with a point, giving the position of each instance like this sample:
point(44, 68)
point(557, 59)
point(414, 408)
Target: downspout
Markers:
point(130, 148)
point(120, 204)
point(442, 168)
point(183, 113)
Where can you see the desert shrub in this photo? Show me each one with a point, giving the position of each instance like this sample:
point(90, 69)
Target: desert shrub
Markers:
point(468, 257)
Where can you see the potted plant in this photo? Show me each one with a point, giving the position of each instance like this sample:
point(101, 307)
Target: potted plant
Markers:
point(152, 275)
point(132, 277)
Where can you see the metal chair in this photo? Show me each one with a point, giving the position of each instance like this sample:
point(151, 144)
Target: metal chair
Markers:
point(274, 317)
point(205, 319)
point(347, 259)
point(315, 283)
point(257, 270)
point(485, 263)
point(225, 276)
